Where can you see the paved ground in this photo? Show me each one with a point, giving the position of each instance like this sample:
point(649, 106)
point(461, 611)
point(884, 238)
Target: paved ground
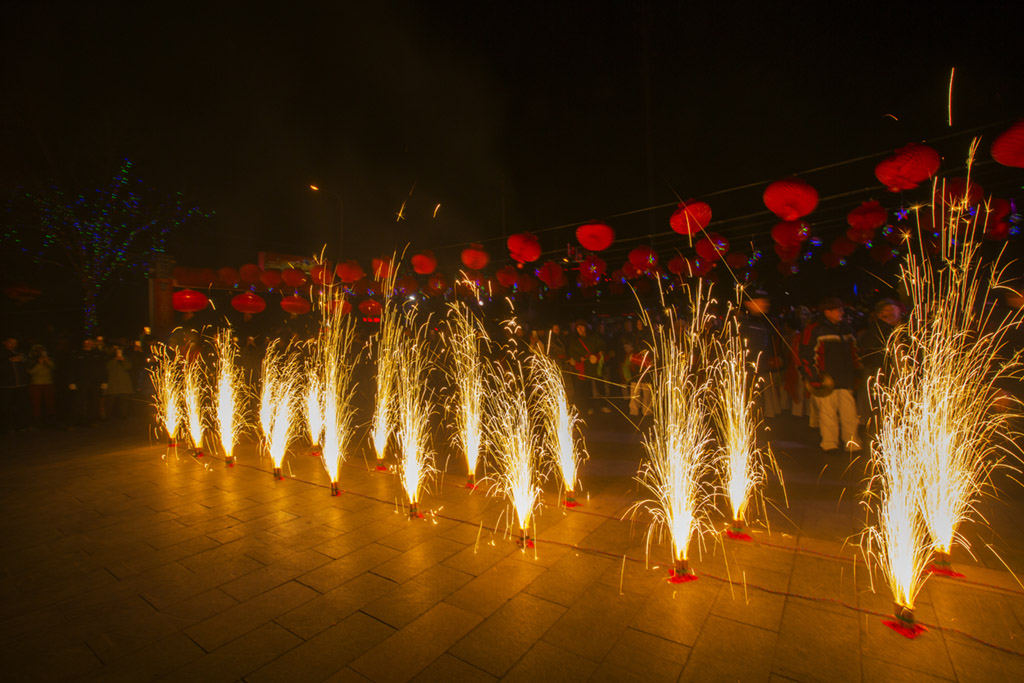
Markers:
point(123, 562)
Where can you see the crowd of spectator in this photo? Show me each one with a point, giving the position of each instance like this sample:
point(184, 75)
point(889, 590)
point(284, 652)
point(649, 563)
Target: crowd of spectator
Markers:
point(811, 363)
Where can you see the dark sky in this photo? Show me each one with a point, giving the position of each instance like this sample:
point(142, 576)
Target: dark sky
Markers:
point(512, 116)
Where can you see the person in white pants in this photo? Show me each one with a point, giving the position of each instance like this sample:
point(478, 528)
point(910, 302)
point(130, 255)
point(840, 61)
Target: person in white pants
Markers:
point(829, 361)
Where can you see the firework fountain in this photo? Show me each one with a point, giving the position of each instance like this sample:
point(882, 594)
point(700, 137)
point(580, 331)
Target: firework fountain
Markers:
point(413, 409)
point(742, 466)
point(940, 433)
point(679, 454)
point(278, 396)
point(166, 375)
point(229, 397)
point(560, 421)
point(466, 374)
point(514, 443)
point(195, 394)
point(336, 335)
point(388, 338)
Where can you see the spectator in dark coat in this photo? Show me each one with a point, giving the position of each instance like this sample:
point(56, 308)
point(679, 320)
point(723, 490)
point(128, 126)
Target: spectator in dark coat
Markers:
point(871, 344)
point(763, 343)
point(828, 355)
point(14, 376)
point(87, 378)
point(586, 353)
point(118, 388)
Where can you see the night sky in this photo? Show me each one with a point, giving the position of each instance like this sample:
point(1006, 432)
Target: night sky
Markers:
point(512, 116)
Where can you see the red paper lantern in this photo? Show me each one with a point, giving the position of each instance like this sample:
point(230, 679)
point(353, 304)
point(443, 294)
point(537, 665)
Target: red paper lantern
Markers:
point(367, 286)
point(249, 273)
point(247, 302)
point(381, 268)
point(643, 258)
point(831, 259)
point(322, 274)
point(737, 260)
point(595, 236)
point(630, 272)
point(955, 190)
point(424, 263)
point(346, 307)
point(994, 222)
point(593, 267)
point(293, 277)
point(908, 167)
point(789, 234)
point(712, 247)
point(295, 305)
point(507, 276)
point(188, 301)
point(690, 218)
point(882, 252)
point(349, 271)
point(680, 265)
point(1008, 148)
point(436, 284)
point(474, 257)
point(408, 285)
point(552, 275)
point(526, 283)
point(228, 276)
point(790, 199)
point(271, 278)
point(787, 254)
point(860, 236)
point(843, 246)
point(524, 247)
point(370, 308)
point(867, 217)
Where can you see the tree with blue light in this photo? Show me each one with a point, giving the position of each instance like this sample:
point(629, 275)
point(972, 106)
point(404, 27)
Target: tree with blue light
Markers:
point(99, 236)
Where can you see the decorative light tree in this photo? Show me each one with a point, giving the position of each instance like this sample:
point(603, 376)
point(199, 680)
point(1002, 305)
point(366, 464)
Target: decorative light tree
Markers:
point(97, 235)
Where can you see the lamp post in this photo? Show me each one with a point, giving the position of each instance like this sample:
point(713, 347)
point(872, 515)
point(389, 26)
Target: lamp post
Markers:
point(341, 217)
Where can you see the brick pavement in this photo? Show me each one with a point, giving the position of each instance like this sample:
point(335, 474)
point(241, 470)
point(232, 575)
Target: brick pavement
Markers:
point(124, 562)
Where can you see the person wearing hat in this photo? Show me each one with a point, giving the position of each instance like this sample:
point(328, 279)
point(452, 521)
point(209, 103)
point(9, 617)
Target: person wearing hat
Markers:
point(760, 337)
point(830, 365)
point(586, 353)
point(872, 341)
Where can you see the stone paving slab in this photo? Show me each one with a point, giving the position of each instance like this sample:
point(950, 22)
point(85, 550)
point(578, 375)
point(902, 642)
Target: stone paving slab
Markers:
point(125, 562)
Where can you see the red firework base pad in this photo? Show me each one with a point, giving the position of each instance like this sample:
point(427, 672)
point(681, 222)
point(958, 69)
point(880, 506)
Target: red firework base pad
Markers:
point(738, 535)
point(943, 570)
point(382, 468)
point(471, 486)
point(529, 544)
point(685, 577)
point(571, 503)
point(906, 629)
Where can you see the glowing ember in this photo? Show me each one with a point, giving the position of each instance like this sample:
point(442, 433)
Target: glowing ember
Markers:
point(336, 335)
point(166, 376)
point(195, 394)
point(513, 442)
point(230, 406)
point(560, 421)
point(678, 445)
point(466, 374)
point(742, 465)
point(412, 403)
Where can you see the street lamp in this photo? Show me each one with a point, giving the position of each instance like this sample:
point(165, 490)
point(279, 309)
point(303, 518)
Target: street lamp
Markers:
point(341, 217)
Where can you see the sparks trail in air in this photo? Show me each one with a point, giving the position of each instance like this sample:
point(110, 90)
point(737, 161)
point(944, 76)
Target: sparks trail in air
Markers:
point(229, 408)
point(466, 371)
point(944, 424)
point(281, 391)
point(679, 442)
point(166, 375)
point(413, 407)
point(195, 399)
point(559, 422)
point(743, 467)
point(387, 340)
point(514, 442)
point(334, 348)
